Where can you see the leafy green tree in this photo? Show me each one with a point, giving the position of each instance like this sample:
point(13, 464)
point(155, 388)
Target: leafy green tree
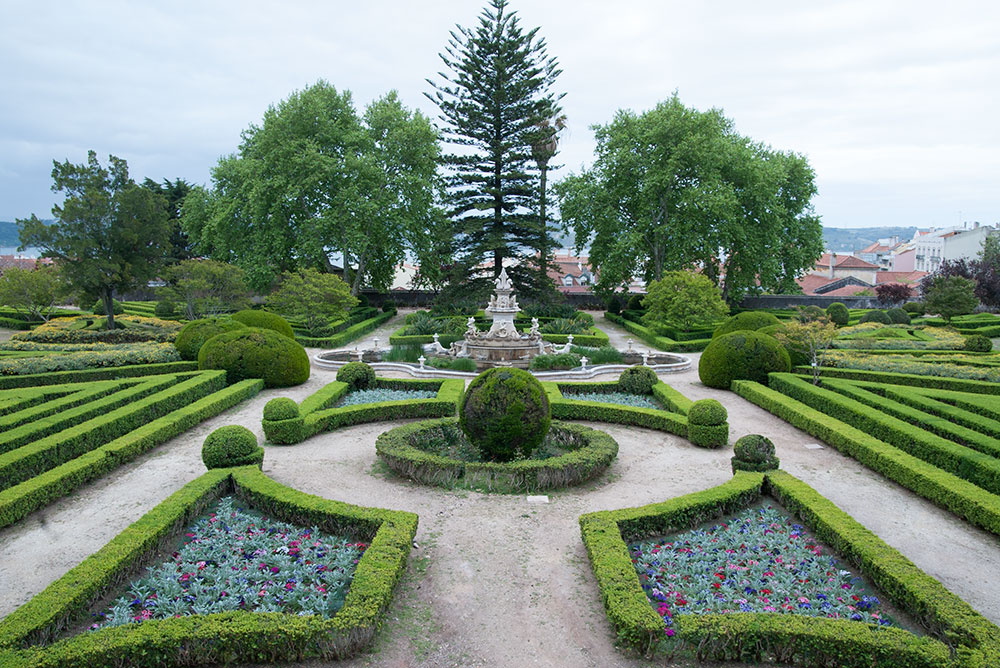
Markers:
point(207, 287)
point(809, 340)
point(33, 292)
point(173, 193)
point(313, 298)
point(949, 296)
point(495, 99)
point(109, 233)
point(683, 299)
point(677, 188)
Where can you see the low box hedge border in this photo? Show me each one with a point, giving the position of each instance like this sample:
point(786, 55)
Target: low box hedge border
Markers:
point(232, 637)
point(759, 637)
point(87, 375)
point(349, 334)
point(965, 499)
point(653, 339)
point(315, 414)
point(393, 447)
point(20, 500)
point(594, 338)
point(892, 378)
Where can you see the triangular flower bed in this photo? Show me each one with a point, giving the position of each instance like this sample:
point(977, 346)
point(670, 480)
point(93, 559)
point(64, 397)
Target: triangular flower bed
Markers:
point(227, 637)
point(956, 634)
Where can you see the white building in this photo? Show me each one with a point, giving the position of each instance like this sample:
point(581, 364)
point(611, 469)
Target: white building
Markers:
point(953, 243)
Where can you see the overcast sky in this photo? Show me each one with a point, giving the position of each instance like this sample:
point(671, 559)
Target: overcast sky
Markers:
point(895, 104)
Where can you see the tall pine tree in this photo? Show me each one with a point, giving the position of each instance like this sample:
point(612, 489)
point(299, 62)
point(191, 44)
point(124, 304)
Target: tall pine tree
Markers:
point(494, 99)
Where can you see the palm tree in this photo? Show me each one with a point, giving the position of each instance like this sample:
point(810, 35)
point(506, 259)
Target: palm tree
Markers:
point(543, 148)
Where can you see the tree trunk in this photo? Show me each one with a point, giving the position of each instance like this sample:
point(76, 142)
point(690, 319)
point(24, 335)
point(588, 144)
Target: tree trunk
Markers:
point(356, 286)
point(543, 263)
point(109, 307)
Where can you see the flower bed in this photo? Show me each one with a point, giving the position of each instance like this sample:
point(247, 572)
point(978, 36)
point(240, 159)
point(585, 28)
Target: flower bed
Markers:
point(236, 559)
point(619, 398)
point(380, 395)
point(668, 414)
point(909, 365)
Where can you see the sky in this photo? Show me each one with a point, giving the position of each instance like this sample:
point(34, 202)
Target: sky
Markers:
point(894, 103)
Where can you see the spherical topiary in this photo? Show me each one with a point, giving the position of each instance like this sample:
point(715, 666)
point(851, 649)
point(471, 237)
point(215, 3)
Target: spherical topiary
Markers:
point(746, 321)
point(741, 356)
point(635, 302)
point(614, 306)
point(252, 352)
point(193, 335)
point(838, 314)
point(637, 380)
point(505, 413)
point(265, 320)
point(876, 315)
point(281, 408)
point(978, 343)
point(232, 445)
point(116, 306)
point(898, 316)
point(914, 308)
point(754, 452)
point(358, 375)
point(165, 309)
point(707, 426)
point(388, 305)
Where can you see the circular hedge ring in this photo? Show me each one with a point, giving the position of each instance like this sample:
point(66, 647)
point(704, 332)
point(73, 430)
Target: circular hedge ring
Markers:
point(591, 452)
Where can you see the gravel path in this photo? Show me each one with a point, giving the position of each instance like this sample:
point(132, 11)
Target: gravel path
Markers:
point(496, 580)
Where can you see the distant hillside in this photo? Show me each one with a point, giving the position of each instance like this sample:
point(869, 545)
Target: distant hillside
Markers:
point(846, 239)
point(8, 234)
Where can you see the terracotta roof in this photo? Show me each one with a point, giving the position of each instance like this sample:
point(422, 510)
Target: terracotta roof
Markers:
point(844, 262)
point(899, 277)
point(810, 282)
point(847, 291)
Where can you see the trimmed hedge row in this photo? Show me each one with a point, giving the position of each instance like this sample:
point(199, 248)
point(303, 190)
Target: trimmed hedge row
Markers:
point(594, 339)
point(941, 488)
point(526, 475)
point(564, 408)
point(658, 342)
point(88, 375)
point(762, 637)
point(976, 467)
point(232, 637)
point(892, 378)
point(347, 335)
point(315, 415)
point(20, 500)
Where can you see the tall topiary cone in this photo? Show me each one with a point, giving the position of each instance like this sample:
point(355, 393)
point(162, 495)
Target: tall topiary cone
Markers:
point(505, 414)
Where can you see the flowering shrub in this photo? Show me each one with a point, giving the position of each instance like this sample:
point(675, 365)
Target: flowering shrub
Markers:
point(911, 365)
point(898, 337)
point(377, 396)
point(235, 559)
point(759, 561)
point(118, 355)
point(84, 329)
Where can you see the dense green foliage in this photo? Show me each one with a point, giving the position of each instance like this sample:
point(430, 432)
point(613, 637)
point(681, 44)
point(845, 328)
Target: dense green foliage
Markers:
point(315, 299)
point(707, 424)
point(978, 343)
point(741, 355)
point(165, 309)
point(754, 452)
point(281, 408)
point(683, 299)
point(357, 375)
point(914, 308)
point(207, 288)
point(949, 296)
point(637, 380)
point(838, 314)
point(875, 315)
point(256, 353)
point(33, 292)
point(707, 412)
point(231, 445)
point(99, 309)
point(194, 334)
point(898, 316)
point(264, 320)
point(505, 414)
point(746, 321)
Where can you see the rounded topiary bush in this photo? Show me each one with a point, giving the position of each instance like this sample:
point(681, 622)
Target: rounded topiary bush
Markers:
point(252, 352)
point(637, 380)
point(388, 306)
point(362, 301)
point(165, 309)
point(746, 321)
point(898, 316)
point(281, 408)
point(838, 314)
point(707, 426)
point(876, 315)
point(232, 445)
point(505, 413)
point(978, 343)
point(265, 320)
point(741, 356)
point(358, 375)
point(116, 306)
point(635, 302)
point(614, 306)
point(754, 452)
point(914, 308)
point(193, 335)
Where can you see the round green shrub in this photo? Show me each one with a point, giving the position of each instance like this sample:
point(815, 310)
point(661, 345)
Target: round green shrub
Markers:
point(707, 412)
point(281, 408)
point(978, 343)
point(876, 315)
point(388, 305)
point(165, 309)
point(232, 445)
point(746, 321)
point(358, 375)
point(741, 356)
point(898, 316)
point(754, 452)
point(637, 380)
point(838, 314)
point(614, 306)
point(635, 302)
point(193, 335)
point(707, 426)
point(116, 306)
point(914, 308)
point(362, 301)
point(505, 413)
point(265, 320)
point(252, 352)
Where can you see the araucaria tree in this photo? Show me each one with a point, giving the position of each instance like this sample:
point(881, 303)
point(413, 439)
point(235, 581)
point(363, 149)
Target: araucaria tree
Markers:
point(677, 188)
point(496, 105)
point(109, 233)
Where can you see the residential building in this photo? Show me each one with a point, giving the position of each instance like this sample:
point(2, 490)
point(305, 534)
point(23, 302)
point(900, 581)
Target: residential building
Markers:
point(834, 265)
point(953, 243)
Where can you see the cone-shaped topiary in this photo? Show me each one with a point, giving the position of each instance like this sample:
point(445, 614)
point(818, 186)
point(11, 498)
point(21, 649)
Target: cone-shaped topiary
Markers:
point(358, 375)
point(754, 452)
point(876, 315)
point(252, 352)
point(193, 335)
point(265, 320)
point(707, 426)
point(746, 321)
point(281, 408)
point(505, 414)
point(838, 314)
point(232, 445)
point(741, 356)
point(637, 380)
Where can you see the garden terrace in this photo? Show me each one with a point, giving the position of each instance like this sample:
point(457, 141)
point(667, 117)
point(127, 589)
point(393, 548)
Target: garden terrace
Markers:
point(359, 322)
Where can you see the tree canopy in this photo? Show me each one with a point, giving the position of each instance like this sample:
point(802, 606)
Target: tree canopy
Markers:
point(677, 188)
